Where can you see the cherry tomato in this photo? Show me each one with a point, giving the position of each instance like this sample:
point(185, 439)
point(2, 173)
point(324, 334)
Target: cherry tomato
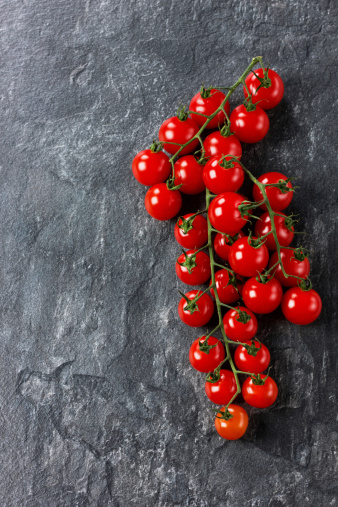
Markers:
point(267, 97)
point(284, 234)
point(204, 309)
point(199, 268)
point(226, 291)
point(151, 167)
point(233, 428)
point(292, 266)
point(252, 364)
point(178, 131)
point(206, 361)
point(247, 260)
point(216, 145)
point(222, 391)
point(207, 103)
point(219, 179)
point(301, 306)
point(262, 297)
point(162, 203)
point(190, 173)
point(222, 244)
point(196, 234)
point(249, 126)
point(260, 396)
point(239, 331)
point(278, 200)
point(224, 214)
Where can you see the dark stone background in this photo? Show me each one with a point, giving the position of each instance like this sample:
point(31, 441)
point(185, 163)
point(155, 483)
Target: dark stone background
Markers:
point(87, 276)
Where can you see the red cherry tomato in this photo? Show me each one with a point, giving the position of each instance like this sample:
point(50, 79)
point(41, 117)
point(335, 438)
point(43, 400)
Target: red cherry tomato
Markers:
point(222, 391)
point(233, 428)
point(247, 260)
point(207, 105)
point(224, 214)
point(222, 244)
point(278, 200)
point(174, 130)
point(219, 179)
point(284, 234)
point(162, 203)
point(239, 331)
point(262, 297)
point(199, 269)
point(196, 234)
point(151, 167)
point(260, 396)
point(216, 145)
point(190, 173)
point(203, 313)
point(292, 266)
point(249, 126)
point(267, 97)
point(252, 364)
point(226, 291)
point(301, 306)
point(206, 361)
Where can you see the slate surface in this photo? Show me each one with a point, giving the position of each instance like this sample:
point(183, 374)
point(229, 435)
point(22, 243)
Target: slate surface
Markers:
point(88, 277)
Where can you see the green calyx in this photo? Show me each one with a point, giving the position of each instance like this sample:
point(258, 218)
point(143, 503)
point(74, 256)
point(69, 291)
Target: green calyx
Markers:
point(224, 414)
point(255, 242)
point(191, 305)
point(181, 114)
point(186, 224)
point(252, 350)
point(189, 261)
point(155, 147)
point(205, 92)
point(300, 253)
point(305, 285)
point(242, 316)
point(265, 82)
point(214, 376)
point(204, 346)
point(225, 130)
point(290, 221)
point(226, 164)
point(171, 184)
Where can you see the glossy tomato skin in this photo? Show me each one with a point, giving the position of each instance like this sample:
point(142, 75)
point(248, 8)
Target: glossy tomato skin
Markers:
point(262, 297)
point(222, 244)
point(151, 167)
point(224, 214)
point(227, 293)
point(267, 97)
point(234, 428)
point(216, 145)
point(178, 131)
point(238, 331)
point(199, 274)
point(278, 200)
point(223, 390)
point(218, 179)
point(197, 236)
point(260, 396)
point(202, 315)
point(301, 306)
point(208, 106)
point(162, 203)
point(284, 235)
point(252, 364)
point(291, 265)
point(205, 362)
point(249, 126)
point(189, 173)
point(246, 260)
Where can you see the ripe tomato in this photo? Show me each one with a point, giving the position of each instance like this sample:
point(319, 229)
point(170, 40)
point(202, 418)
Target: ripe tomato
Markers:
point(162, 203)
point(249, 126)
point(219, 179)
point(284, 233)
point(301, 306)
point(262, 297)
point(278, 200)
point(206, 361)
point(204, 309)
point(150, 167)
point(292, 266)
point(222, 244)
point(247, 260)
point(234, 428)
point(191, 234)
point(216, 145)
point(222, 391)
point(267, 97)
point(260, 396)
point(226, 291)
point(239, 331)
point(252, 364)
point(224, 214)
point(178, 131)
point(190, 173)
point(206, 102)
point(196, 270)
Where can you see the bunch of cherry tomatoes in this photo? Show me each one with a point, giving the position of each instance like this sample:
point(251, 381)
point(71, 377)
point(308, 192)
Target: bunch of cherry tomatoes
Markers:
point(254, 266)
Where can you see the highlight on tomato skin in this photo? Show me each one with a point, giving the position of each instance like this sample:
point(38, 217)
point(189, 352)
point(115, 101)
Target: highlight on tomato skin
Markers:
point(300, 306)
point(292, 266)
point(270, 97)
point(207, 106)
point(206, 362)
point(235, 427)
point(150, 168)
point(249, 126)
point(239, 331)
point(162, 203)
point(277, 199)
point(198, 274)
point(196, 236)
point(222, 244)
point(216, 145)
point(174, 130)
point(247, 260)
point(249, 363)
point(223, 390)
point(204, 312)
point(261, 297)
point(224, 214)
point(260, 396)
